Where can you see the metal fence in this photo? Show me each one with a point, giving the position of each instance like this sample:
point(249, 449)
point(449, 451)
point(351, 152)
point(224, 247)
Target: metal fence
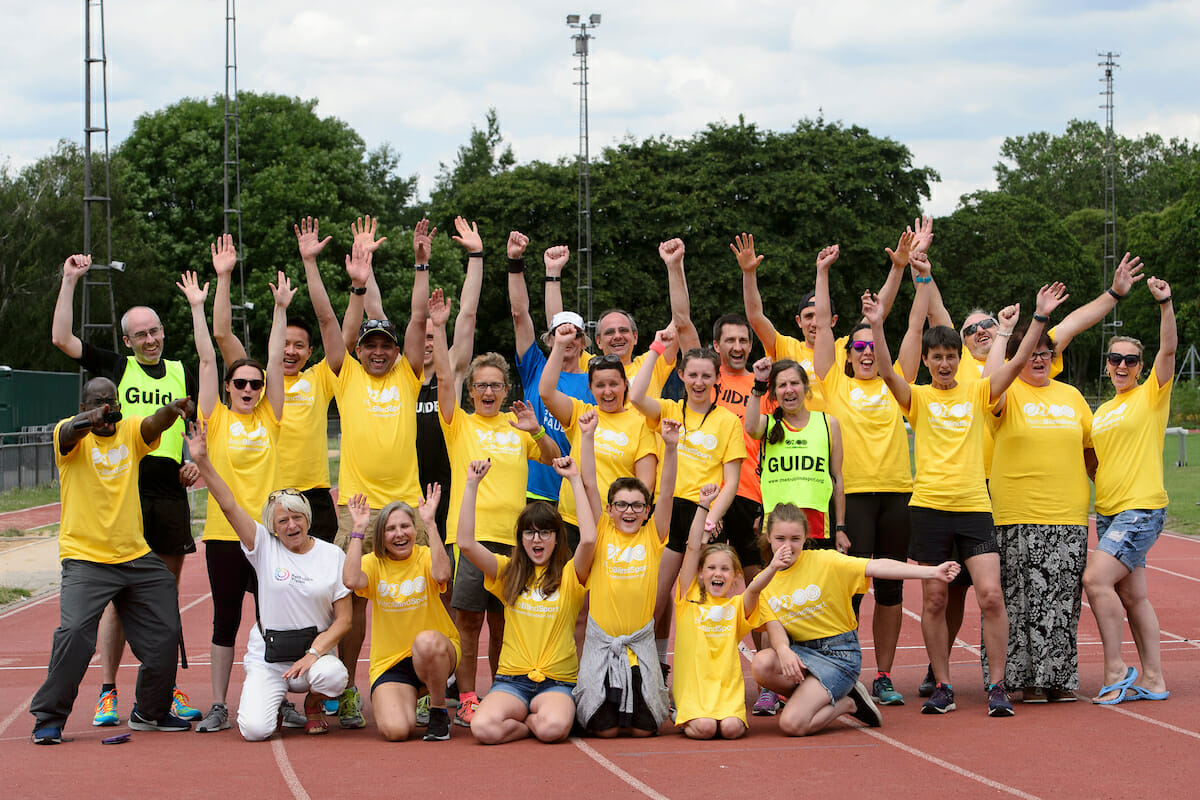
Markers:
point(27, 458)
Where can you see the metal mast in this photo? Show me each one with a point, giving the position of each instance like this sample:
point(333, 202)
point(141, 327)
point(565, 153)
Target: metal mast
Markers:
point(583, 292)
point(97, 283)
point(233, 211)
point(1112, 324)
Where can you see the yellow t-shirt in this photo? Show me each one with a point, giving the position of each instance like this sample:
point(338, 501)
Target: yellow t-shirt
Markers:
point(798, 350)
point(624, 577)
point(379, 433)
point(706, 444)
point(470, 437)
point(539, 631)
point(812, 598)
point(708, 667)
point(874, 442)
point(1038, 475)
point(304, 438)
point(620, 440)
point(242, 449)
point(404, 601)
point(101, 509)
point(1127, 433)
point(662, 371)
point(948, 429)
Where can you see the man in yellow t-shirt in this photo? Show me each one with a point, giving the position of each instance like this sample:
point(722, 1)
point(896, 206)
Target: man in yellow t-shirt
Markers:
point(105, 559)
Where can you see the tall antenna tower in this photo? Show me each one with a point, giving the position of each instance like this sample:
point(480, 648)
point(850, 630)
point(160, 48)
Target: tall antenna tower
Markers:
point(97, 283)
point(233, 211)
point(583, 292)
point(1113, 323)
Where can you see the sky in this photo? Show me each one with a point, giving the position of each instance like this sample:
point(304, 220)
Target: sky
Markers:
point(950, 80)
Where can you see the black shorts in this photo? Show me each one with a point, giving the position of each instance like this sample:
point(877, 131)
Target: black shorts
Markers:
point(324, 513)
point(167, 525)
point(469, 594)
point(683, 514)
point(739, 529)
point(609, 714)
point(939, 536)
point(402, 671)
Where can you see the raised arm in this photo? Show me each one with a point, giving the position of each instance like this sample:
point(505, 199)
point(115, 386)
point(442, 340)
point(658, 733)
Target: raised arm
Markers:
point(840, 539)
point(310, 244)
point(1168, 336)
point(686, 336)
point(899, 260)
point(568, 470)
point(518, 292)
point(61, 328)
point(475, 552)
point(638, 392)
point(209, 392)
point(743, 248)
point(1126, 275)
point(910, 345)
point(527, 420)
point(554, 270)
point(697, 538)
point(358, 267)
point(1048, 298)
point(364, 240)
point(873, 314)
point(440, 568)
point(283, 294)
point(439, 313)
point(353, 577)
point(560, 405)
point(670, 431)
point(824, 356)
point(922, 231)
point(462, 349)
point(782, 559)
point(218, 489)
point(414, 334)
point(224, 259)
point(755, 422)
point(587, 462)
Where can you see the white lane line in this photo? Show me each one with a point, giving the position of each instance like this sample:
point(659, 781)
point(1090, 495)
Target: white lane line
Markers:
point(1175, 637)
point(1180, 537)
point(1126, 712)
point(972, 649)
point(285, 769)
point(628, 779)
point(16, 712)
point(1175, 574)
point(195, 602)
point(30, 604)
point(946, 765)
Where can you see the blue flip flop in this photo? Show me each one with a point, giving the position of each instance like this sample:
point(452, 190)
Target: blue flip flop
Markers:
point(1121, 687)
point(1142, 693)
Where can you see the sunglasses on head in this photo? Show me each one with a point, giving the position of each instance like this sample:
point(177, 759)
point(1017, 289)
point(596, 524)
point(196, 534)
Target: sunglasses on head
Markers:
point(610, 360)
point(983, 324)
point(1129, 359)
point(860, 346)
point(254, 383)
point(275, 495)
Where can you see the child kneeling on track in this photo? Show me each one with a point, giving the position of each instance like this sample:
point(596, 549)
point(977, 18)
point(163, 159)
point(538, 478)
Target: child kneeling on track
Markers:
point(710, 692)
point(814, 655)
point(620, 683)
point(542, 588)
point(414, 644)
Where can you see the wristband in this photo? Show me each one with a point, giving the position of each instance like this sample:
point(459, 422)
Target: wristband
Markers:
point(421, 267)
point(1115, 296)
point(554, 279)
point(312, 651)
point(476, 254)
point(516, 265)
point(926, 279)
point(357, 535)
point(1004, 333)
point(759, 388)
point(658, 347)
point(358, 290)
point(704, 507)
point(1039, 318)
point(841, 528)
point(536, 436)
point(1165, 300)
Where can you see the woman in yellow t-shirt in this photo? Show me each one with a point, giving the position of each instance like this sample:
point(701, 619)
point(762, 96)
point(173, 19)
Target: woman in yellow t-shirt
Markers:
point(1131, 506)
point(542, 588)
point(241, 445)
point(1040, 494)
point(814, 656)
point(413, 642)
point(710, 692)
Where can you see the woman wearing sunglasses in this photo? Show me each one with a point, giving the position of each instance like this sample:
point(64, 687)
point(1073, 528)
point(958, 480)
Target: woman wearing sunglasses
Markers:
point(241, 441)
point(1131, 506)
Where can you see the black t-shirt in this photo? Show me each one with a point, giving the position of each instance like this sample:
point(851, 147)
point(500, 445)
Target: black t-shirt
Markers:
point(433, 462)
point(158, 475)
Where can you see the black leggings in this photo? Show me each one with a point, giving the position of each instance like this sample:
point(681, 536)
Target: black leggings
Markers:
point(230, 576)
point(877, 525)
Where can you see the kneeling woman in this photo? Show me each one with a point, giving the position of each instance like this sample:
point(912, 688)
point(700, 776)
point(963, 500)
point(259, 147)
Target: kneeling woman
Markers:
point(814, 655)
point(300, 595)
point(414, 644)
point(542, 588)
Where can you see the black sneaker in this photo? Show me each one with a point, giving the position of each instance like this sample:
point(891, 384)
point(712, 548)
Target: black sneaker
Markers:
point(164, 723)
point(439, 725)
point(999, 704)
point(49, 734)
point(927, 685)
point(941, 701)
point(452, 692)
point(865, 711)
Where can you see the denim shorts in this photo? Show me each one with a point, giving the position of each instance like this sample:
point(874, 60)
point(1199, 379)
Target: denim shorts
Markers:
point(835, 661)
point(525, 688)
point(1129, 535)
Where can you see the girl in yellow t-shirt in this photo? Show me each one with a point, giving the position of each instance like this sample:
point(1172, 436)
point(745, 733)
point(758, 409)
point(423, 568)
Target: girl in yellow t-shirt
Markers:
point(241, 445)
point(814, 656)
point(542, 588)
point(710, 692)
point(414, 644)
point(1131, 506)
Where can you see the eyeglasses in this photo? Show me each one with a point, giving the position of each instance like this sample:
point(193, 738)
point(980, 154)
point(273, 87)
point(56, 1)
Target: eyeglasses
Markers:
point(275, 495)
point(1130, 359)
point(622, 505)
point(254, 383)
point(146, 334)
point(483, 387)
point(1044, 355)
point(983, 324)
point(860, 346)
point(539, 534)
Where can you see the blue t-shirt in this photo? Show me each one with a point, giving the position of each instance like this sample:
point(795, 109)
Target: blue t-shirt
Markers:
point(544, 482)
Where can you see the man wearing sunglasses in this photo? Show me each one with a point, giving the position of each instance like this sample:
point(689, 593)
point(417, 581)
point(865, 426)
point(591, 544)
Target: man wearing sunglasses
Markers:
point(145, 381)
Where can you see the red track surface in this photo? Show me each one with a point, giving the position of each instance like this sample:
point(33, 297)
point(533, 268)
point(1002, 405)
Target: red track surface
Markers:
point(1056, 750)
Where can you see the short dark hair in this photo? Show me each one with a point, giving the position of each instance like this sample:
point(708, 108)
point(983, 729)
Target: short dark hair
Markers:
point(304, 326)
point(940, 336)
point(810, 299)
point(1018, 334)
point(732, 319)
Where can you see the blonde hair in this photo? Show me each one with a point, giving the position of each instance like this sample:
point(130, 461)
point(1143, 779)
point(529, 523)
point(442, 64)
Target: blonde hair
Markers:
point(422, 537)
point(784, 512)
point(712, 550)
point(1126, 340)
point(290, 499)
point(494, 360)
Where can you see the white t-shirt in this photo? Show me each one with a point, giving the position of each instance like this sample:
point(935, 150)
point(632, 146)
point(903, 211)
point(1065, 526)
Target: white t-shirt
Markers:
point(295, 590)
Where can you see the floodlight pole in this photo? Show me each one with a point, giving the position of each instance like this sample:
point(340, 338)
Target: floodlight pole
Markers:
point(232, 163)
point(1112, 324)
point(583, 291)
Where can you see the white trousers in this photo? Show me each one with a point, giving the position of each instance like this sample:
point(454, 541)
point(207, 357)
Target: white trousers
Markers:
point(265, 688)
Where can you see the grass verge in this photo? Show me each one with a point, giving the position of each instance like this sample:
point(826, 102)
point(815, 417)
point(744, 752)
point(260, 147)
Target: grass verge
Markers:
point(9, 594)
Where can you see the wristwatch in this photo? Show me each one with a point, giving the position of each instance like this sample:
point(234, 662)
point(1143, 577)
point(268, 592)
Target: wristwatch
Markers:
point(312, 651)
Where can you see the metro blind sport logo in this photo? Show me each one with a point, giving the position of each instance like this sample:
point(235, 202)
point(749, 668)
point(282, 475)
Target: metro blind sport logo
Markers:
point(625, 562)
point(406, 595)
point(111, 462)
point(798, 602)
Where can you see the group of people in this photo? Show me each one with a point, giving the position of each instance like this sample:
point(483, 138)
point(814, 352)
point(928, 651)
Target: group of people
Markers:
point(588, 518)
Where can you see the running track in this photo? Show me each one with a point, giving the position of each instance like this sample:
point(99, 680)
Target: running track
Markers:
point(1056, 750)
